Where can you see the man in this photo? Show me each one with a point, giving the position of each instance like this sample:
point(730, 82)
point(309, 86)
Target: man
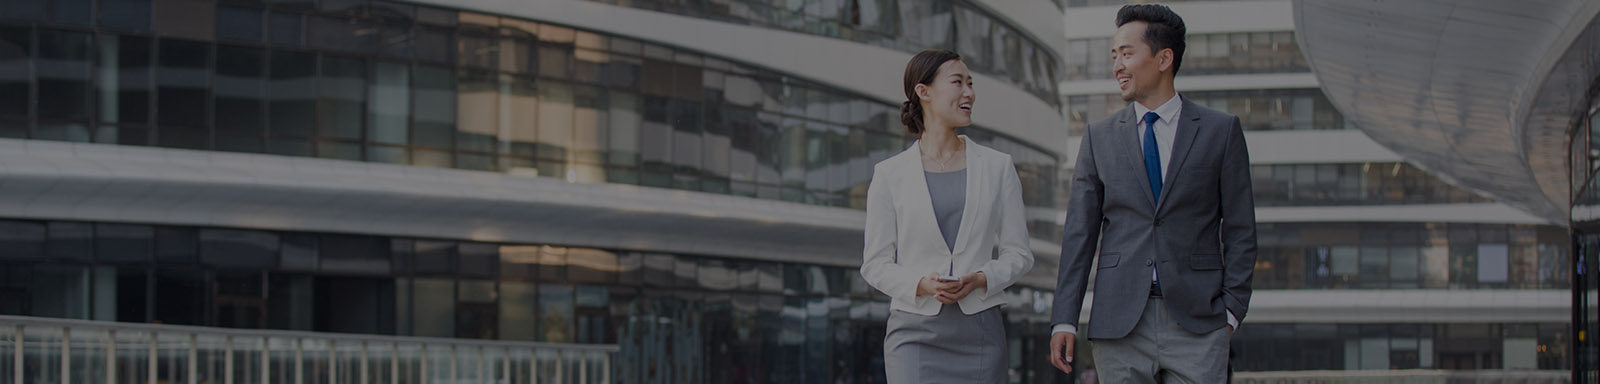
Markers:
point(1162, 190)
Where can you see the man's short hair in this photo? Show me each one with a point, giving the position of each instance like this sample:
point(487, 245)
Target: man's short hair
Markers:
point(1164, 28)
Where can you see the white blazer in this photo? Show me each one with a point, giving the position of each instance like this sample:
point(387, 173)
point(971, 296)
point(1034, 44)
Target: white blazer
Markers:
point(904, 245)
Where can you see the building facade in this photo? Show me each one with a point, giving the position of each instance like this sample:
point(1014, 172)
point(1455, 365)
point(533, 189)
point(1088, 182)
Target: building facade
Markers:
point(683, 179)
point(1367, 261)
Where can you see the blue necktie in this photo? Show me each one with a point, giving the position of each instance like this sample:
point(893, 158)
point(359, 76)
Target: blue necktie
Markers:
point(1152, 155)
point(1152, 167)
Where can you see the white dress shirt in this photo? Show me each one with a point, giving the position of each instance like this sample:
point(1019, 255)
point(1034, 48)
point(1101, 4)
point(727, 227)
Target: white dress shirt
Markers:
point(1166, 132)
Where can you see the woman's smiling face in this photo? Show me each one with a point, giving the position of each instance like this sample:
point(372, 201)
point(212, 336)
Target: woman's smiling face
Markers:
point(950, 96)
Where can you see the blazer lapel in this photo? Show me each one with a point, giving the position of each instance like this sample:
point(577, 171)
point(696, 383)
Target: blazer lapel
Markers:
point(1188, 124)
point(921, 202)
point(975, 168)
point(1126, 135)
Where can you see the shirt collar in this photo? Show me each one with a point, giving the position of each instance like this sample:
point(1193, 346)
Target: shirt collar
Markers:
point(1168, 110)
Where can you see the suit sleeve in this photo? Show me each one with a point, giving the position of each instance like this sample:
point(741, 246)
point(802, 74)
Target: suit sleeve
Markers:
point(879, 261)
point(1015, 257)
point(1080, 237)
point(1238, 210)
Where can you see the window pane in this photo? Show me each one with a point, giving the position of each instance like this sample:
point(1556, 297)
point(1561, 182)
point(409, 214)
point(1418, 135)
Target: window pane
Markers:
point(478, 259)
point(16, 47)
point(435, 45)
point(59, 292)
point(292, 94)
point(239, 98)
point(555, 121)
point(194, 20)
point(299, 252)
point(656, 76)
point(517, 55)
point(686, 135)
point(930, 21)
point(623, 71)
point(70, 241)
point(743, 143)
point(342, 87)
point(524, 126)
point(480, 52)
point(239, 23)
point(391, 103)
point(436, 16)
point(63, 75)
point(355, 305)
point(478, 102)
point(238, 248)
point(291, 302)
point(972, 31)
point(394, 41)
point(518, 301)
point(589, 132)
point(360, 254)
point(25, 10)
point(433, 307)
point(180, 297)
point(22, 240)
point(73, 12)
point(287, 28)
point(175, 245)
point(433, 107)
point(555, 308)
point(435, 257)
point(716, 141)
point(588, 65)
point(1403, 266)
point(124, 242)
point(1493, 263)
point(343, 34)
point(655, 138)
point(623, 131)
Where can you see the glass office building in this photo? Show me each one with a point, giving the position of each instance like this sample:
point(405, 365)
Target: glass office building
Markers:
point(557, 171)
point(1371, 257)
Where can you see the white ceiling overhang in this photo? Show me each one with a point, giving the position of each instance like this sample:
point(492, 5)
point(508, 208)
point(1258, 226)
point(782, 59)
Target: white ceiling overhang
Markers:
point(1480, 93)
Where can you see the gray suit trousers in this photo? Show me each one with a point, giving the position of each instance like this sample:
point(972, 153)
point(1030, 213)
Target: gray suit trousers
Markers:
point(1161, 351)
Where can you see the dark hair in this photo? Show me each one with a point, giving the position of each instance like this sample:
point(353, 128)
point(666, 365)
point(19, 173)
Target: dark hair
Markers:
point(921, 70)
point(1164, 28)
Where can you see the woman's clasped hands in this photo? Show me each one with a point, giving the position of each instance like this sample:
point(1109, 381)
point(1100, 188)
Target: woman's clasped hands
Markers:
point(949, 292)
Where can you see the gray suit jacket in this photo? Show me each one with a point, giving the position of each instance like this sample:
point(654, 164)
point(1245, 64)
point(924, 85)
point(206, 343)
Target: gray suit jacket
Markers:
point(1201, 239)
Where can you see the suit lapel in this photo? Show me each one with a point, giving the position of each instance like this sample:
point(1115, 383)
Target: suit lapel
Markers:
point(1188, 125)
point(1126, 135)
point(921, 201)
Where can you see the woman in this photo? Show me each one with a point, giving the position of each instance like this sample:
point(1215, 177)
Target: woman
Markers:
point(935, 215)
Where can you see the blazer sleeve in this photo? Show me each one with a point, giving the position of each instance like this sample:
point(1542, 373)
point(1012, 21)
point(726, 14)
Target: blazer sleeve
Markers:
point(1015, 257)
point(1238, 210)
point(880, 266)
point(1080, 237)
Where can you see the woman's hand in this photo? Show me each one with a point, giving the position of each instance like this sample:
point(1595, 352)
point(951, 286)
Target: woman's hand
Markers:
point(931, 286)
point(967, 284)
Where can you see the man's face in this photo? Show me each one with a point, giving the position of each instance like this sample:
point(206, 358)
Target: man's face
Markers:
point(1134, 63)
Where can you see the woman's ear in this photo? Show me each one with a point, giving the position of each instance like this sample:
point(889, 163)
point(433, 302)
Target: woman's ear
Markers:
point(922, 92)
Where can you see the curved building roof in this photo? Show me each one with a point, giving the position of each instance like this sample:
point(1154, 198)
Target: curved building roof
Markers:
point(1480, 93)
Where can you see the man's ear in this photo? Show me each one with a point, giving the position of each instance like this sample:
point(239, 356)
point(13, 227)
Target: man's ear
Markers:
point(1165, 57)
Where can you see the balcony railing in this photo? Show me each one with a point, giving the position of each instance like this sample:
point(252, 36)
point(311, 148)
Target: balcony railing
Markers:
point(44, 351)
point(1405, 376)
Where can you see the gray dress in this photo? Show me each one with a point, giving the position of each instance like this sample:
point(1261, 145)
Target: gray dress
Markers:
point(951, 347)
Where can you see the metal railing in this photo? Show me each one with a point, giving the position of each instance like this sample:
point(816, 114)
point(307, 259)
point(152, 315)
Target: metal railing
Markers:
point(1405, 376)
point(46, 351)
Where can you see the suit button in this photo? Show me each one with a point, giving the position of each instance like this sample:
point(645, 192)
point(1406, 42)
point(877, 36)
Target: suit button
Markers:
point(1148, 262)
